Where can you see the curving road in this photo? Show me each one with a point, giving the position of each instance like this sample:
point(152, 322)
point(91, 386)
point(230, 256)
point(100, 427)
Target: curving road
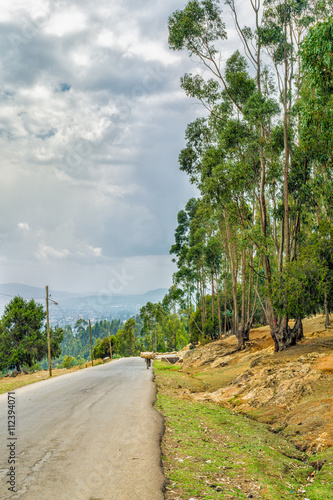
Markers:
point(92, 434)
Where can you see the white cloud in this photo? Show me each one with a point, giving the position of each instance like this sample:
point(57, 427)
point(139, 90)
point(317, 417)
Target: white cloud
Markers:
point(45, 252)
point(24, 226)
point(91, 124)
point(70, 20)
point(96, 251)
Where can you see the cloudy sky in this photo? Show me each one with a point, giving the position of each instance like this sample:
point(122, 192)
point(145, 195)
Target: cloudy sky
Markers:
point(92, 120)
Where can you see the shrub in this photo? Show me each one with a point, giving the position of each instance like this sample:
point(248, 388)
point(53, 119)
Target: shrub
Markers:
point(68, 362)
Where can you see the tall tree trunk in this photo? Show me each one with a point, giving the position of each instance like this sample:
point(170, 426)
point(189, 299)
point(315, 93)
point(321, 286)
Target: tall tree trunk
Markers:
point(327, 315)
point(218, 305)
point(243, 257)
point(263, 223)
point(286, 141)
point(189, 310)
point(233, 277)
point(298, 329)
point(249, 289)
point(225, 298)
point(203, 308)
point(213, 305)
point(282, 334)
point(280, 255)
point(244, 331)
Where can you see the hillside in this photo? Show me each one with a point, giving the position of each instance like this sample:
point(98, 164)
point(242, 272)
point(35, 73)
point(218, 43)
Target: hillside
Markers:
point(72, 305)
point(250, 424)
point(292, 390)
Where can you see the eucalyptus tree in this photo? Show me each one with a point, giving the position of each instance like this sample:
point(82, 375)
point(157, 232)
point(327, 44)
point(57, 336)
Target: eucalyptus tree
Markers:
point(316, 113)
point(174, 297)
point(186, 250)
point(128, 344)
point(213, 257)
point(234, 99)
point(246, 157)
point(221, 158)
point(284, 27)
point(148, 323)
point(316, 116)
point(152, 315)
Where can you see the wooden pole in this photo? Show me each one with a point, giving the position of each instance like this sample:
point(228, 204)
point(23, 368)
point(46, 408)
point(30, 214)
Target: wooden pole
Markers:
point(110, 341)
point(155, 340)
point(91, 349)
point(48, 331)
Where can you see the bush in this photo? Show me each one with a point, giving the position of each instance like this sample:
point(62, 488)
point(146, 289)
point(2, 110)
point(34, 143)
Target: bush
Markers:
point(80, 361)
point(68, 362)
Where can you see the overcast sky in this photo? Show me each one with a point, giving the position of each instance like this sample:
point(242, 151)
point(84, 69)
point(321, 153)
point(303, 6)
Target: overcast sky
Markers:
point(92, 120)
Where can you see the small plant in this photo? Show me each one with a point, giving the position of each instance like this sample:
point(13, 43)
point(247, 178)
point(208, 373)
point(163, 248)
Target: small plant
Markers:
point(34, 368)
point(80, 361)
point(98, 362)
point(68, 362)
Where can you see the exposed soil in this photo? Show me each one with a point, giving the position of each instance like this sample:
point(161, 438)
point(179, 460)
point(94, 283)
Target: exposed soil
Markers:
point(291, 390)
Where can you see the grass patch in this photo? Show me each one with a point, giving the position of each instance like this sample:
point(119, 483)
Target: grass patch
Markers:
point(210, 452)
point(10, 384)
point(323, 479)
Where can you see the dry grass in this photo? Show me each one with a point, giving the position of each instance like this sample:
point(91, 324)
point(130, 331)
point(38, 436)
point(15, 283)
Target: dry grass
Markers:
point(325, 364)
point(11, 383)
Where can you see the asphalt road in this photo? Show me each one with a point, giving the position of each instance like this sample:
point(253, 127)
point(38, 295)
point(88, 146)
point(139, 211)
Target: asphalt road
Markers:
point(92, 434)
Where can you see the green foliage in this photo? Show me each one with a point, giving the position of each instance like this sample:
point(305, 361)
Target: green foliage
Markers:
point(240, 85)
point(260, 109)
point(316, 104)
point(102, 347)
point(195, 27)
point(128, 344)
point(56, 339)
point(264, 171)
point(164, 328)
point(210, 329)
point(80, 361)
point(317, 55)
point(23, 339)
point(298, 291)
point(68, 362)
point(77, 343)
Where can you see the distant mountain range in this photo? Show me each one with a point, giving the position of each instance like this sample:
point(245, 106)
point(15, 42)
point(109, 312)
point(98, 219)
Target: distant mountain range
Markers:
point(72, 306)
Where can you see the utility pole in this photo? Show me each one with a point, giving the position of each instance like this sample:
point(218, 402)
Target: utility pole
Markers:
point(152, 332)
point(91, 349)
point(110, 342)
point(48, 331)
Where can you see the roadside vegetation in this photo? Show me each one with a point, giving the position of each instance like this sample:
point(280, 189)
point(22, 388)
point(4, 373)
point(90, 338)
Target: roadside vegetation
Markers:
point(23, 338)
point(210, 451)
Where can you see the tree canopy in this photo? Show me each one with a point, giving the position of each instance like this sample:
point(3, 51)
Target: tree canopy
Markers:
point(23, 339)
point(261, 159)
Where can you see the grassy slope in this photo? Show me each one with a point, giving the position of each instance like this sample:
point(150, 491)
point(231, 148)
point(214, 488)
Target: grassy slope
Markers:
point(211, 452)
